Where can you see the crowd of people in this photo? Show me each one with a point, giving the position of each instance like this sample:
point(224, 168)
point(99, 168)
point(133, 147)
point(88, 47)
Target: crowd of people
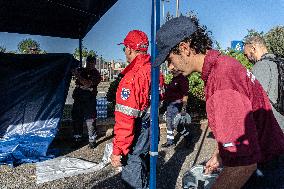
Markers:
point(239, 105)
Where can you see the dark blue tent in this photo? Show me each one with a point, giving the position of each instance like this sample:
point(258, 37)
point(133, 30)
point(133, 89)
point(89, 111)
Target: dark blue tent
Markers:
point(33, 88)
point(57, 18)
point(73, 19)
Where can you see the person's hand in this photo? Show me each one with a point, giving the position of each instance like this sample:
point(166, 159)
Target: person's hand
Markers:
point(213, 164)
point(183, 112)
point(115, 160)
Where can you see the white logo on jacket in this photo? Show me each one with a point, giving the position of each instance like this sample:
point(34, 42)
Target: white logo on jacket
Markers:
point(251, 76)
point(125, 93)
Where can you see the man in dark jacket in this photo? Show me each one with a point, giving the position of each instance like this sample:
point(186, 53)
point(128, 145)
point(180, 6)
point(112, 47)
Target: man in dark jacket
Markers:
point(84, 95)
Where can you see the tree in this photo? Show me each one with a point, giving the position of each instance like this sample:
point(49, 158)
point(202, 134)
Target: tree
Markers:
point(13, 52)
point(274, 39)
point(92, 53)
point(29, 46)
point(253, 32)
point(2, 49)
point(77, 53)
point(169, 16)
point(85, 53)
point(239, 56)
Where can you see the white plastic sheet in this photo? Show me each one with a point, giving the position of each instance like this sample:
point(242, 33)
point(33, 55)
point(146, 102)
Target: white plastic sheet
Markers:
point(67, 166)
point(195, 178)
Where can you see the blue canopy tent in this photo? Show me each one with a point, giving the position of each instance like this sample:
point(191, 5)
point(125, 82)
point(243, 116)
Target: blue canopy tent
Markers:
point(74, 19)
point(34, 87)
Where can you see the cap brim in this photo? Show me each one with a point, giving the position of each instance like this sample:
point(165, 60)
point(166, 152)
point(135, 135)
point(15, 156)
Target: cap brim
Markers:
point(161, 58)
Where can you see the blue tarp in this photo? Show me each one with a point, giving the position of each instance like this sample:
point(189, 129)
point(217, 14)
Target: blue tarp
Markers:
point(33, 89)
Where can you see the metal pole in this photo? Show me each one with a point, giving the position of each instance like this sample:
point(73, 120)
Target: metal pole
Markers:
point(155, 72)
point(80, 52)
point(177, 9)
point(163, 10)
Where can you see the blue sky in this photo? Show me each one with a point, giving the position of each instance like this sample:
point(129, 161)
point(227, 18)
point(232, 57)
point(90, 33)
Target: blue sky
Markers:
point(227, 19)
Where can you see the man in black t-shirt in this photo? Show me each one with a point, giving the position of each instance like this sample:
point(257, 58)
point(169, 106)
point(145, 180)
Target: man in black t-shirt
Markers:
point(84, 95)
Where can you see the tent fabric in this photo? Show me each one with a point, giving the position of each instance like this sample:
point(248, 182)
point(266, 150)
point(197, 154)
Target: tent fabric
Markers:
point(33, 89)
point(56, 18)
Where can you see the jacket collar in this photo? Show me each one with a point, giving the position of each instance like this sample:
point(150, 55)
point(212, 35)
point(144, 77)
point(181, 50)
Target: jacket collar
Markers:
point(138, 61)
point(267, 55)
point(209, 61)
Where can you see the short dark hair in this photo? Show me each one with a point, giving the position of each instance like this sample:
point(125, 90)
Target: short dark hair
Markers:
point(254, 40)
point(91, 58)
point(200, 41)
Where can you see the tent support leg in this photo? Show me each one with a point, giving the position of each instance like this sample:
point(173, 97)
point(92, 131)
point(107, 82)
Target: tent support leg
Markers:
point(155, 25)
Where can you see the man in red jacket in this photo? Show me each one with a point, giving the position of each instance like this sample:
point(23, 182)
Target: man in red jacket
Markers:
point(250, 141)
point(131, 142)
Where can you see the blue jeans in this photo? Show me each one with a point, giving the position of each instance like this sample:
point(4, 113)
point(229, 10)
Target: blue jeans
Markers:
point(136, 164)
point(172, 110)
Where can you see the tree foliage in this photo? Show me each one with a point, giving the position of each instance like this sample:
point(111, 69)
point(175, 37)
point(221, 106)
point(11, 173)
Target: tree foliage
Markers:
point(275, 40)
point(196, 85)
point(168, 78)
point(2, 49)
point(169, 16)
point(239, 56)
point(25, 46)
point(253, 32)
point(77, 53)
point(85, 53)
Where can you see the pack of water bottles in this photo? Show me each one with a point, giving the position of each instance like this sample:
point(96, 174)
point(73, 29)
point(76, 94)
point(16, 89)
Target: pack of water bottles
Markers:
point(102, 108)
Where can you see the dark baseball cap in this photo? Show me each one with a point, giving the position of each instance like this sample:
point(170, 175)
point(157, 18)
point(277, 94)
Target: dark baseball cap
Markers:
point(171, 34)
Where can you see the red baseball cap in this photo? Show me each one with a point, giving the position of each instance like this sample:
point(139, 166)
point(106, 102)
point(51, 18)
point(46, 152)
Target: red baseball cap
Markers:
point(136, 40)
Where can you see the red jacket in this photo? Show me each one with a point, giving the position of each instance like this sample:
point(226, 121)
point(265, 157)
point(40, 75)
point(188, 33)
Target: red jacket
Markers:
point(132, 97)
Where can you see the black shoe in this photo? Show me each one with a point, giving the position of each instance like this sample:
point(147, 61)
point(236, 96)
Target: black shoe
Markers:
point(92, 145)
point(167, 144)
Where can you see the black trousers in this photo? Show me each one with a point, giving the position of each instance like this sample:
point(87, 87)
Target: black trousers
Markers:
point(268, 176)
point(84, 108)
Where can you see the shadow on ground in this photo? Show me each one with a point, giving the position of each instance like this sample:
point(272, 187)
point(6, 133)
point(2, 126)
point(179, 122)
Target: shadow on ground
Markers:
point(63, 142)
point(168, 172)
point(109, 183)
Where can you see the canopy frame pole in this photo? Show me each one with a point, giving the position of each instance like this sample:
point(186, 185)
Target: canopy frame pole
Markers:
point(80, 52)
point(155, 72)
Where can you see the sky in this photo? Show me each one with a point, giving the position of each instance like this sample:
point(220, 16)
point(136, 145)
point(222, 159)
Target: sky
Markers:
point(227, 20)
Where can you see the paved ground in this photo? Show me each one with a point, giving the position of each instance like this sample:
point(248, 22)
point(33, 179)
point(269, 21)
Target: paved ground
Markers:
point(173, 162)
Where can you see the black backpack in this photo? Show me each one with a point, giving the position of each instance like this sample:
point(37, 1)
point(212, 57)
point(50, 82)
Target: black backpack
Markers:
point(279, 105)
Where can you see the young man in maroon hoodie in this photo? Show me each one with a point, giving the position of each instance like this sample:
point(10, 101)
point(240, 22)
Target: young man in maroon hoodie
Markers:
point(250, 141)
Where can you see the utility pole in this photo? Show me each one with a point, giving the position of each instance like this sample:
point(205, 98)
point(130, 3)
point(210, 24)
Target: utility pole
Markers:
point(177, 8)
